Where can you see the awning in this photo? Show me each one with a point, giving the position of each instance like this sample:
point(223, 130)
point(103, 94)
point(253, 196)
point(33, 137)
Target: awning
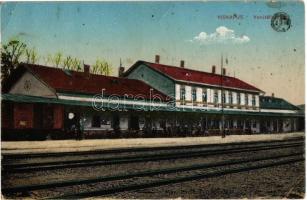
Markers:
point(112, 106)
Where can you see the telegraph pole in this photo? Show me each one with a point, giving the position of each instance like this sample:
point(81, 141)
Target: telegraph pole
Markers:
point(222, 99)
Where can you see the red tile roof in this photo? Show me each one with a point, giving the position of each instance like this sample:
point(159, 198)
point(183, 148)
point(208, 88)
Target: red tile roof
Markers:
point(184, 74)
point(79, 82)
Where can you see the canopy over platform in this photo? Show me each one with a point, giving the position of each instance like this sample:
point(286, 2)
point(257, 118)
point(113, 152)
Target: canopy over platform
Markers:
point(131, 105)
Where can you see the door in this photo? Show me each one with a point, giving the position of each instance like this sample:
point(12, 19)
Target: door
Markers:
point(48, 117)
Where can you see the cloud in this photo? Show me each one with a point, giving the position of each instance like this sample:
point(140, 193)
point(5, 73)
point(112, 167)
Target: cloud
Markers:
point(221, 35)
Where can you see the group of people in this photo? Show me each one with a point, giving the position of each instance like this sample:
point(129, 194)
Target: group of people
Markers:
point(75, 126)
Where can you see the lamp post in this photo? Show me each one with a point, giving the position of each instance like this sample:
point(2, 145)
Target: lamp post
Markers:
point(222, 100)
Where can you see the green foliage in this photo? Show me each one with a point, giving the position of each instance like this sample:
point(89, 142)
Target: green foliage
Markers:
point(57, 59)
point(72, 63)
point(15, 50)
point(10, 57)
point(31, 56)
point(67, 62)
point(76, 64)
point(101, 67)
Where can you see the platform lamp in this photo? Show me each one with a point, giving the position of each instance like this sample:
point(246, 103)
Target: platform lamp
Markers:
point(222, 99)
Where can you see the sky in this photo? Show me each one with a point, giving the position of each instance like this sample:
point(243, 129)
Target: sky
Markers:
point(197, 32)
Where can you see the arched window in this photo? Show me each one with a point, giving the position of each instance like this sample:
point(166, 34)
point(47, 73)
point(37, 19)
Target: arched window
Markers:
point(254, 100)
point(238, 98)
point(230, 97)
point(223, 97)
point(216, 97)
point(182, 93)
point(194, 94)
point(204, 95)
point(246, 99)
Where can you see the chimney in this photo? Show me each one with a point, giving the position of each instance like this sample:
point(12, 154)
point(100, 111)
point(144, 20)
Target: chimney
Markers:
point(213, 69)
point(86, 69)
point(224, 72)
point(157, 59)
point(273, 95)
point(121, 71)
point(182, 63)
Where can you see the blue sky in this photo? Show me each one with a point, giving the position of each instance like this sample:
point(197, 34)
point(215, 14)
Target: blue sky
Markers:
point(272, 61)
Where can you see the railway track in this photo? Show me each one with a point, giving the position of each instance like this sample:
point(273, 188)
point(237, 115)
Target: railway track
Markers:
point(213, 170)
point(131, 181)
point(213, 173)
point(190, 153)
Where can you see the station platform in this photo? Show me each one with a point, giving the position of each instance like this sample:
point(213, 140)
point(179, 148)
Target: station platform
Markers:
point(53, 146)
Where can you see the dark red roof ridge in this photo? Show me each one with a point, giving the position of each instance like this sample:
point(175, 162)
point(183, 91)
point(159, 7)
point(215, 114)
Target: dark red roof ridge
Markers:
point(74, 71)
point(188, 69)
point(78, 82)
point(246, 85)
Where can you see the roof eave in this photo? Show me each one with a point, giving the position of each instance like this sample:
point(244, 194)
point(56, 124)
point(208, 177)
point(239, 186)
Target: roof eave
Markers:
point(40, 79)
point(196, 83)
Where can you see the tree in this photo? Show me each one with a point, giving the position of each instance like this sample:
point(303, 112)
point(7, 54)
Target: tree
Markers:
point(67, 62)
point(10, 57)
point(31, 56)
point(72, 63)
point(101, 67)
point(57, 59)
point(76, 64)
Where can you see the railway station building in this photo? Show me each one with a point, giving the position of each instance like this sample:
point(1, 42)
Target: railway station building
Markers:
point(148, 100)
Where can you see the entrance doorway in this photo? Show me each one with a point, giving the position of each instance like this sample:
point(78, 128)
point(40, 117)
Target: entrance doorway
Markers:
point(134, 123)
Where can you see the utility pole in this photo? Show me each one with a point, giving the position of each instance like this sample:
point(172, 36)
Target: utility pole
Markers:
point(222, 99)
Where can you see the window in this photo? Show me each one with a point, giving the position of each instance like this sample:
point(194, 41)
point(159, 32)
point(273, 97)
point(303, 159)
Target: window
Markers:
point(254, 124)
point(231, 124)
point(239, 124)
point(223, 97)
point(230, 97)
point(246, 99)
point(254, 100)
point(238, 98)
point(194, 94)
point(182, 93)
point(96, 121)
point(216, 97)
point(204, 96)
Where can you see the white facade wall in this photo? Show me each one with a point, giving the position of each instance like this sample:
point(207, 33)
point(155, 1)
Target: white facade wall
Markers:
point(242, 99)
point(188, 93)
point(30, 85)
point(177, 95)
point(226, 96)
point(257, 100)
point(250, 98)
point(234, 98)
point(210, 95)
